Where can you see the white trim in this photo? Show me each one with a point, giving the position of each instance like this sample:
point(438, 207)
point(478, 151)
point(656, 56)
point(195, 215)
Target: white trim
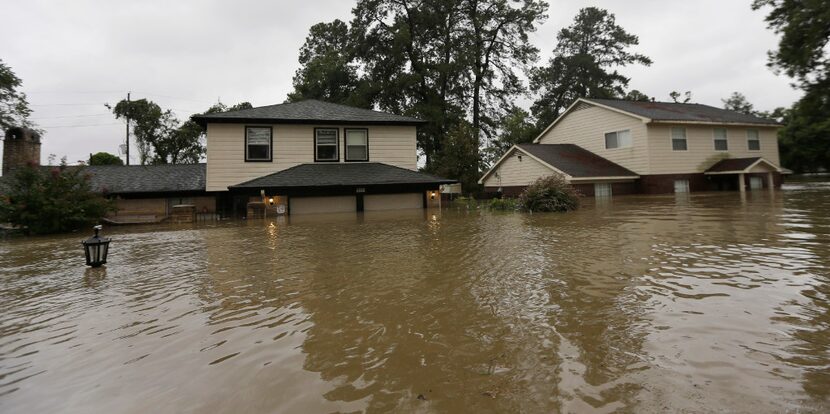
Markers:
point(617, 131)
point(510, 152)
point(685, 138)
point(732, 124)
point(588, 101)
point(715, 139)
point(748, 168)
point(757, 135)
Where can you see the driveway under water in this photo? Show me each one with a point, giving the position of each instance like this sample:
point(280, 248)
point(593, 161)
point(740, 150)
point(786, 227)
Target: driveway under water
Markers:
point(709, 302)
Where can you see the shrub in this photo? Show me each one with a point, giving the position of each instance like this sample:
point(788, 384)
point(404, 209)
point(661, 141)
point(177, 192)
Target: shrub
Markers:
point(504, 204)
point(104, 158)
point(550, 193)
point(51, 200)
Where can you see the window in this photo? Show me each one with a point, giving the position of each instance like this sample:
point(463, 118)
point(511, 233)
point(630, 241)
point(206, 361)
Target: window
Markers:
point(681, 186)
point(258, 142)
point(618, 139)
point(326, 144)
point(721, 143)
point(753, 142)
point(357, 145)
point(602, 190)
point(678, 139)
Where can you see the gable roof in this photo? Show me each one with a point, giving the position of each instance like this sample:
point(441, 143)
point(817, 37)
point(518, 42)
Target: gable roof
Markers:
point(683, 112)
point(341, 175)
point(739, 165)
point(309, 111)
point(572, 160)
point(137, 179)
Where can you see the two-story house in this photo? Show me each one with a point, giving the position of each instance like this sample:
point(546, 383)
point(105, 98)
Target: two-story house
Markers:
point(605, 147)
point(316, 157)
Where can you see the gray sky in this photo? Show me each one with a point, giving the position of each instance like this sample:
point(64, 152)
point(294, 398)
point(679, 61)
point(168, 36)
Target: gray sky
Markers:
point(185, 55)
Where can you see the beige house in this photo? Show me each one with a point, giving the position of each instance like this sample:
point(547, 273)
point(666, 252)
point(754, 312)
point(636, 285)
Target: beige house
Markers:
point(645, 147)
point(316, 157)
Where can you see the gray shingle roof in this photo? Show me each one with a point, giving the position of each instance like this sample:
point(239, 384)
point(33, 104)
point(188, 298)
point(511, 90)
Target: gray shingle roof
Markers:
point(134, 179)
point(308, 112)
point(341, 175)
point(576, 161)
point(683, 112)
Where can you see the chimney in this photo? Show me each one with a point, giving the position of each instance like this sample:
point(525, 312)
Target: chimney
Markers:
point(20, 147)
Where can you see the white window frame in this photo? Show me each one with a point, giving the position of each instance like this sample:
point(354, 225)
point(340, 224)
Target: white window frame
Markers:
point(749, 138)
point(270, 153)
point(715, 139)
point(336, 145)
point(685, 138)
point(617, 132)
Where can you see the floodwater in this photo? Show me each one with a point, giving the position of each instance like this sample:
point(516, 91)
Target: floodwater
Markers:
point(703, 303)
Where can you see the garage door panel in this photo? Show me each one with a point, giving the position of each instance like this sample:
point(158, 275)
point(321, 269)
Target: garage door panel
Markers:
point(378, 202)
point(314, 205)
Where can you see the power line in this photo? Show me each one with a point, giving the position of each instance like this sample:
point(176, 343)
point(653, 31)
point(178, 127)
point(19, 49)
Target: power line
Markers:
point(72, 116)
point(78, 126)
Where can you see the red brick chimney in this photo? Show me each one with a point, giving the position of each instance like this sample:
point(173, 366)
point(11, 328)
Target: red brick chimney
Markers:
point(20, 147)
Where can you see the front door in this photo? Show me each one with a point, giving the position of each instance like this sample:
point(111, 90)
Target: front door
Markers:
point(756, 183)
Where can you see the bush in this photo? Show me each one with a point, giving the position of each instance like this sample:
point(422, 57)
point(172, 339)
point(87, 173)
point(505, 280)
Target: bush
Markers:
point(550, 193)
point(104, 158)
point(504, 204)
point(51, 200)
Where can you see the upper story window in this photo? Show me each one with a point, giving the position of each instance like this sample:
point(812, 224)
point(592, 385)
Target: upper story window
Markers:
point(258, 141)
point(618, 139)
point(326, 144)
point(357, 144)
point(721, 143)
point(753, 142)
point(678, 139)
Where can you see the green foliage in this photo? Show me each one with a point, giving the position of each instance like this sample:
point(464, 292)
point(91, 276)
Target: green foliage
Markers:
point(635, 95)
point(805, 139)
point(104, 158)
point(676, 96)
point(54, 200)
point(459, 158)
point(551, 193)
point(14, 108)
point(737, 102)
point(503, 204)
point(584, 64)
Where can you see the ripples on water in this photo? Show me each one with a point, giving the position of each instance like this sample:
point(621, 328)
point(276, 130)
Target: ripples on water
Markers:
point(646, 304)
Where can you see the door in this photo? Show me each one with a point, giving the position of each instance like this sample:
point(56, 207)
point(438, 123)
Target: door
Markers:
point(756, 183)
point(602, 190)
point(314, 205)
point(378, 202)
point(681, 186)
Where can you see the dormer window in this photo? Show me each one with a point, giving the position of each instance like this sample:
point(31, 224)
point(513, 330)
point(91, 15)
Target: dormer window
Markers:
point(357, 144)
point(326, 146)
point(258, 141)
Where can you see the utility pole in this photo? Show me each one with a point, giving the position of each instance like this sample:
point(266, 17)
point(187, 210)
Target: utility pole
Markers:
point(128, 128)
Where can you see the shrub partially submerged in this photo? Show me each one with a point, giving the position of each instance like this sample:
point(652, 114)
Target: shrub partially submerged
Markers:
point(550, 193)
point(503, 204)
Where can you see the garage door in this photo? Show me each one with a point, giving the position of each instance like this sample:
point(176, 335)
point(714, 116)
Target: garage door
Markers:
point(313, 205)
point(376, 202)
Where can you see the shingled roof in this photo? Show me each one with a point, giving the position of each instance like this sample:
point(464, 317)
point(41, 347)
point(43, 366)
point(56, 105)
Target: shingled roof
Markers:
point(308, 112)
point(341, 175)
point(682, 112)
point(140, 179)
point(739, 165)
point(576, 161)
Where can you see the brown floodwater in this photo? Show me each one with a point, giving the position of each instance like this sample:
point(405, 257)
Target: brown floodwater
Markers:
point(702, 303)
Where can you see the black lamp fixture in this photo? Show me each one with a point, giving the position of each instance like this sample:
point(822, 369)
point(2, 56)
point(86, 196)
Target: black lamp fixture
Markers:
point(96, 248)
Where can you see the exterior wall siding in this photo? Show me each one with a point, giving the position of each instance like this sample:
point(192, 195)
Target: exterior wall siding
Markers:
point(701, 153)
point(513, 172)
point(294, 145)
point(587, 127)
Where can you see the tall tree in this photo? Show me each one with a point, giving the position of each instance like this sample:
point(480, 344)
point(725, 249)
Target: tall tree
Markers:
point(803, 54)
point(585, 63)
point(678, 97)
point(104, 158)
point(14, 108)
point(152, 126)
point(737, 102)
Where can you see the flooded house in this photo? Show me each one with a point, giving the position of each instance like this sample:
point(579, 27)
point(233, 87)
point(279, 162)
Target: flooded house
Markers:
point(293, 158)
point(606, 146)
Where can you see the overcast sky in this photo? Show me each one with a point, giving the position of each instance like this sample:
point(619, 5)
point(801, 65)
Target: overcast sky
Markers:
point(74, 57)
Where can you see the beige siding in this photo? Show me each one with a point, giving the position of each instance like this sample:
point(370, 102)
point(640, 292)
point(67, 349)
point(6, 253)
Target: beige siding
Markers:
point(293, 145)
point(377, 202)
point(701, 152)
point(315, 205)
point(512, 172)
point(587, 127)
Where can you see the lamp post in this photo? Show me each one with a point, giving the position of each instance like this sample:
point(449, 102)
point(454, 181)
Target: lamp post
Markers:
point(96, 248)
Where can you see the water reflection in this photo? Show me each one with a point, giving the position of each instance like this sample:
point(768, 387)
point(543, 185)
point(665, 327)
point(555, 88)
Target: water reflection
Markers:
point(701, 302)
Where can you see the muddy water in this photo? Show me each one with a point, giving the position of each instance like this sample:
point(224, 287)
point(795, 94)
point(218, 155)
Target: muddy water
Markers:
point(641, 304)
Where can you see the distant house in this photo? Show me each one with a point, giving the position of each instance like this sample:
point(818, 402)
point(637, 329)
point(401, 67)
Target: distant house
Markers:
point(607, 147)
point(316, 157)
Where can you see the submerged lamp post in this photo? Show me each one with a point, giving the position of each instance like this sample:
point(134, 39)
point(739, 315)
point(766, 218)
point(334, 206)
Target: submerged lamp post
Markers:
point(96, 248)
